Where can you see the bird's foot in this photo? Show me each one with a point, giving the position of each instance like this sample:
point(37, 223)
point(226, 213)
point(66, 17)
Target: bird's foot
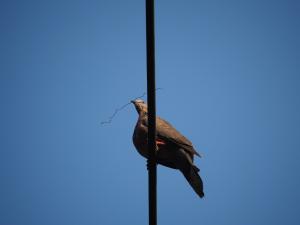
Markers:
point(149, 164)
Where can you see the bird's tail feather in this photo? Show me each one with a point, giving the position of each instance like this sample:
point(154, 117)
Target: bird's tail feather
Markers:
point(192, 176)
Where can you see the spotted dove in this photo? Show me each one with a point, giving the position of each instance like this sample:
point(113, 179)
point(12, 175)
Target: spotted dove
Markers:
point(173, 149)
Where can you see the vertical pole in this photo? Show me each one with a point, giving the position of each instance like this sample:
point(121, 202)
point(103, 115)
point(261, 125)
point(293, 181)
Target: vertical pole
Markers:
point(151, 111)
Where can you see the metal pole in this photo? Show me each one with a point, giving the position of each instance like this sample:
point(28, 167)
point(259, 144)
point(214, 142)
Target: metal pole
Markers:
point(151, 111)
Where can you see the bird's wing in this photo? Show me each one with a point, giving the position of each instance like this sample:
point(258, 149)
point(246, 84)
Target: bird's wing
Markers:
point(167, 132)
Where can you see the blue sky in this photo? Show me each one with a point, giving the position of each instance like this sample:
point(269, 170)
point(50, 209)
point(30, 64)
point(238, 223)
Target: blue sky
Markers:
point(230, 75)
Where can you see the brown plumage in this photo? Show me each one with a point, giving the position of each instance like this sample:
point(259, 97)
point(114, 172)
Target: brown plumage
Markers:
point(173, 149)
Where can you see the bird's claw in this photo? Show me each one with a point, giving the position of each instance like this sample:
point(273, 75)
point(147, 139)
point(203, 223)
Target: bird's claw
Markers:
point(149, 164)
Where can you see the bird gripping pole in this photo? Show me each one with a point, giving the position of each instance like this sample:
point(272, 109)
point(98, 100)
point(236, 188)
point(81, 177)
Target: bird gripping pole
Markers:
point(151, 111)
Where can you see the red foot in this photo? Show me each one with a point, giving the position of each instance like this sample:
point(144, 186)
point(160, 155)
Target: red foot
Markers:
point(160, 142)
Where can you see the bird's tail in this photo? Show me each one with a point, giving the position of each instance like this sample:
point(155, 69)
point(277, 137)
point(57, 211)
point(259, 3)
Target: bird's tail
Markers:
point(191, 175)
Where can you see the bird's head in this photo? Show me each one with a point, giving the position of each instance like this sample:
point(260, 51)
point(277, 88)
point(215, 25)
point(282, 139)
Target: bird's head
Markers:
point(140, 106)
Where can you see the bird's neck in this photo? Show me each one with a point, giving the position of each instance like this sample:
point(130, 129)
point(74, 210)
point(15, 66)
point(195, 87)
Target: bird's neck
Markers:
point(143, 118)
point(143, 114)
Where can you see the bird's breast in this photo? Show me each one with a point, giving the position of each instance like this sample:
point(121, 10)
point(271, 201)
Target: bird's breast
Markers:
point(140, 136)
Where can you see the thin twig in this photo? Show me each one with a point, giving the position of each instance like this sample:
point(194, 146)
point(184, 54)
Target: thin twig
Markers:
point(109, 120)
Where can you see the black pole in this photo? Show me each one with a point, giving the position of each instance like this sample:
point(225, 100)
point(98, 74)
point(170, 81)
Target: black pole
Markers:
point(151, 110)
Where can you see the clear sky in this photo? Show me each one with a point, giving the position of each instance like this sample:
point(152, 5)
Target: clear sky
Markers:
point(230, 73)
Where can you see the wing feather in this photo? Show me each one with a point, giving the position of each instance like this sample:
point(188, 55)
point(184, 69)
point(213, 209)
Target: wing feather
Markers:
point(167, 132)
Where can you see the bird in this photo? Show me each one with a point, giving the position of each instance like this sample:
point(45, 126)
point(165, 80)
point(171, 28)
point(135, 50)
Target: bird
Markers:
point(173, 150)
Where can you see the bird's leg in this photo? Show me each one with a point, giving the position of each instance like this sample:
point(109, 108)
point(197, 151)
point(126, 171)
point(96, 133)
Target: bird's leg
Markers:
point(159, 142)
point(148, 160)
